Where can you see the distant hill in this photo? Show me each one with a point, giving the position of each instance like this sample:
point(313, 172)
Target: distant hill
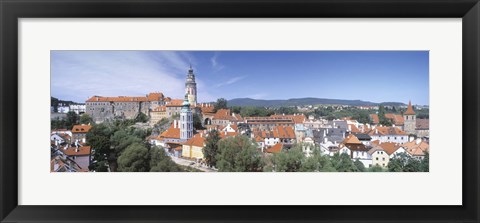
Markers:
point(304, 101)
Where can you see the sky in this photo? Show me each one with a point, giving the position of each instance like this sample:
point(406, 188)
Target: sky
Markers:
point(376, 76)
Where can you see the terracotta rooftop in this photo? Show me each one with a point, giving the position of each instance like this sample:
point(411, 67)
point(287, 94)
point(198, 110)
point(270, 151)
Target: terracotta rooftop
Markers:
point(275, 149)
point(73, 151)
point(171, 132)
point(298, 119)
point(375, 118)
point(389, 147)
point(175, 103)
point(81, 128)
point(422, 123)
point(197, 140)
point(409, 109)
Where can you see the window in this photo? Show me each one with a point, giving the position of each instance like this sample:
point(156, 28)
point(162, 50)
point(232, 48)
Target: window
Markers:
point(376, 158)
point(383, 158)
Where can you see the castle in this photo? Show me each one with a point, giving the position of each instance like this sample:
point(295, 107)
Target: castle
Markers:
point(126, 107)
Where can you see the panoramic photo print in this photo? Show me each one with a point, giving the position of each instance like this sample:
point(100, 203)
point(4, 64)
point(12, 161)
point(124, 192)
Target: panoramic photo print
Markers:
point(239, 111)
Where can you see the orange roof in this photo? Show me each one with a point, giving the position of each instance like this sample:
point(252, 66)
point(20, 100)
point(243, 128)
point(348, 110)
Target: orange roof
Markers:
point(351, 139)
point(275, 149)
point(196, 140)
point(389, 147)
point(415, 149)
point(258, 139)
point(298, 119)
point(150, 97)
point(207, 109)
point(409, 109)
point(354, 128)
point(384, 130)
point(81, 128)
point(157, 96)
point(228, 134)
point(375, 118)
point(175, 103)
point(223, 114)
point(159, 109)
point(72, 151)
point(396, 119)
point(171, 132)
point(283, 132)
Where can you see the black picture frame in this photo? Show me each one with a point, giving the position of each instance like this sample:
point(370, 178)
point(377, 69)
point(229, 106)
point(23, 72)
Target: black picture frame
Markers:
point(12, 10)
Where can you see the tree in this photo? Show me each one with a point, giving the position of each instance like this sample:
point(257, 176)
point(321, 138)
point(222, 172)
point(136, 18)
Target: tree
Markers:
point(211, 148)
point(72, 119)
point(160, 162)
point(238, 154)
point(141, 118)
point(220, 104)
point(376, 168)
point(359, 165)
point(197, 121)
point(424, 164)
point(402, 162)
point(317, 162)
point(290, 160)
point(99, 139)
point(135, 158)
point(343, 163)
point(121, 139)
point(85, 119)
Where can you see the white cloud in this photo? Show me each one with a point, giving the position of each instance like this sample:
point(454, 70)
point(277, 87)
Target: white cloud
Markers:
point(231, 81)
point(77, 75)
point(216, 66)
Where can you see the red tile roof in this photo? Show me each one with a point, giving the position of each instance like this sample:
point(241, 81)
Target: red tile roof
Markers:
point(275, 149)
point(409, 109)
point(73, 151)
point(298, 119)
point(81, 128)
point(375, 118)
point(384, 130)
point(389, 147)
point(171, 132)
point(175, 103)
point(396, 119)
point(197, 140)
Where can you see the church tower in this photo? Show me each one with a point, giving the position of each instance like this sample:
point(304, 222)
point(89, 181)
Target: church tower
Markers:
point(409, 120)
point(186, 121)
point(191, 87)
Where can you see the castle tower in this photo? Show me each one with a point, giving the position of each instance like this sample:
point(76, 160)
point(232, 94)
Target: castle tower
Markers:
point(191, 87)
point(409, 120)
point(186, 121)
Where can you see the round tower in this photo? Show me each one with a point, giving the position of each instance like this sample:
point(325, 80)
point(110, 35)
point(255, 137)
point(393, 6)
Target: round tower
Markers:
point(186, 121)
point(191, 87)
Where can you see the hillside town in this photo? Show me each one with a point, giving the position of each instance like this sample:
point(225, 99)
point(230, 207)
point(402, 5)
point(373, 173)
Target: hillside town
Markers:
point(194, 136)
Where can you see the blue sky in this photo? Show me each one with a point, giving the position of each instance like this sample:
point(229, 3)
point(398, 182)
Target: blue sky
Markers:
point(377, 76)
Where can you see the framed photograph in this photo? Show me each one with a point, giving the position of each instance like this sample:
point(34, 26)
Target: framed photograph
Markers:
point(326, 111)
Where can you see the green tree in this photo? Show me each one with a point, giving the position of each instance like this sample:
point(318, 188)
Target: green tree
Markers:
point(141, 118)
point(220, 104)
point(359, 165)
point(289, 160)
point(238, 154)
point(197, 121)
point(85, 119)
point(71, 119)
point(160, 162)
point(424, 164)
point(122, 138)
point(317, 162)
point(210, 150)
point(376, 168)
point(99, 139)
point(135, 158)
point(343, 163)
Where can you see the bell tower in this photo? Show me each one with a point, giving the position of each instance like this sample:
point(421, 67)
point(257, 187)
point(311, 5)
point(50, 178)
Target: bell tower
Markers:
point(191, 87)
point(186, 121)
point(410, 121)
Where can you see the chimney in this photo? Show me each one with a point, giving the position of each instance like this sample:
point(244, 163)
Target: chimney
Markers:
point(418, 141)
point(325, 140)
point(175, 123)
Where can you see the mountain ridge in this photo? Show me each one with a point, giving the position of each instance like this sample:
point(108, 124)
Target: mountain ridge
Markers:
point(304, 101)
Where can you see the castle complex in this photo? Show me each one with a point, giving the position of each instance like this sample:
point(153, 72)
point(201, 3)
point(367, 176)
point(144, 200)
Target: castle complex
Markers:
point(125, 107)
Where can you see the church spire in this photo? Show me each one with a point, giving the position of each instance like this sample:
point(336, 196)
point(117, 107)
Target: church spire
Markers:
point(409, 109)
